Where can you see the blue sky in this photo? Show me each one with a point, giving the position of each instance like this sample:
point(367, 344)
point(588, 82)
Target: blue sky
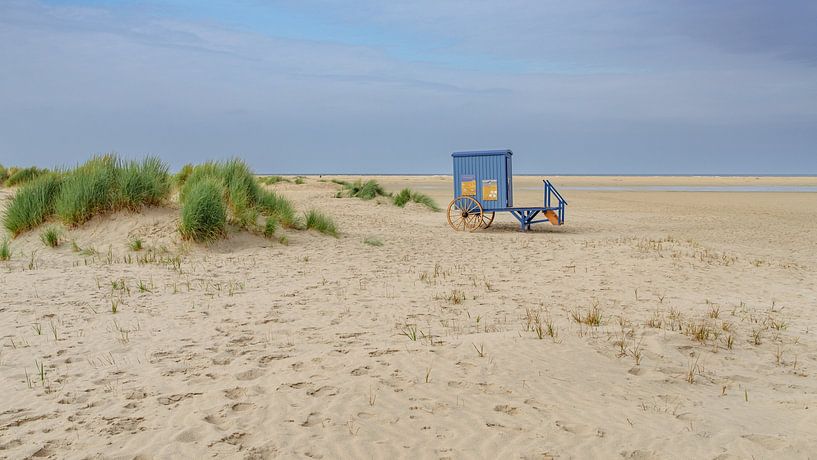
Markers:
point(610, 87)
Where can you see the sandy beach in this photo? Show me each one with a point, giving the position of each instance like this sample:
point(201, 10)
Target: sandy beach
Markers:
point(651, 325)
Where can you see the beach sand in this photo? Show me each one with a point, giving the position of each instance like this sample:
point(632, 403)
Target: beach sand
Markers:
point(426, 346)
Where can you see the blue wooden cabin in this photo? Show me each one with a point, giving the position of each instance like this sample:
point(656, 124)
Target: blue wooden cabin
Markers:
point(483, 186)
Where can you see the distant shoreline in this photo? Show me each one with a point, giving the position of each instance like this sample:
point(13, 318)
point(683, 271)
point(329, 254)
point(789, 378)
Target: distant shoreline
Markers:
point(542, 174)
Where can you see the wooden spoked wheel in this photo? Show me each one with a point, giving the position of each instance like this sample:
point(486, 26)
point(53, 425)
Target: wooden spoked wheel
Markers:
point(464, 214)
point(487, 219)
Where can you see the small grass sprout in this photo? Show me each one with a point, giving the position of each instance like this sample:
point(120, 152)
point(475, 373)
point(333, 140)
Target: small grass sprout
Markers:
point(51, 237)
point(5, 252)
point(591, 317)
point(373, 241)
point(410, 331)
point(456, 297)
point(270, 226)
point(316, 220)
point(135, 244)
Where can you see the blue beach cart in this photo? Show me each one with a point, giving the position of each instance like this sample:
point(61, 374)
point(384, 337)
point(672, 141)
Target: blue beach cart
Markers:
point(483, 186)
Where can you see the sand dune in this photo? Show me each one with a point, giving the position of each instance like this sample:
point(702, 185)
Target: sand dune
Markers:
point(427, 346)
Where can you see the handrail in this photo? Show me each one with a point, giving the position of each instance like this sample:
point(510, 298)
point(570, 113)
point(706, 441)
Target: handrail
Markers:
point(551, 190)
point(555, 192)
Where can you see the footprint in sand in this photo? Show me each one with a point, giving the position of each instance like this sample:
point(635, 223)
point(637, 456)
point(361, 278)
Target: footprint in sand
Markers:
point(325, 390)
point(167, 400)
point(510, 410)
point(571, 428)
point(233, 439)
point(241, 407)
point(215, 420)
point(769, 442)
point(266, 359)
point(312, 419)
point(235, 393)
point(361, 371)
point(250, 374)
point(189, 435)
point(640, 455)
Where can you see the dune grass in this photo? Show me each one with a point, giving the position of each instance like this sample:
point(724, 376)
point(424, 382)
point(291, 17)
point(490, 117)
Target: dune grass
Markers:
point(243, 197)
point(272, 180)
point(204, 212)
point(5, 252)
point(32, 204)
point(300, 180)
point(371, 189)
point(407, 195)
point(104, 184)
point(358, 189)
point(278, 207)
point(269, 227)
point(23, 176)
point(51, 237)
point(181, 177)
point(211, 195)
point(143, 183)
point(100, 185)
point(87, 190)
point(316, 220)
point(4, 174)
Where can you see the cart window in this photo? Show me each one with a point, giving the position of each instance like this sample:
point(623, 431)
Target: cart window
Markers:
point(468, 186)
point(489, 191)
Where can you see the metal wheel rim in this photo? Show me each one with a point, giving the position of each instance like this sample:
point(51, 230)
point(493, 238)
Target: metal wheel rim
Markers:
point(487, 219)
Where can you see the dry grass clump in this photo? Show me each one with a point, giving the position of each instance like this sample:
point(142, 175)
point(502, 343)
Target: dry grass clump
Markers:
point(407, 195)
point(701, 332)
point(3, 174)
point(591, 317)
point(540, 327)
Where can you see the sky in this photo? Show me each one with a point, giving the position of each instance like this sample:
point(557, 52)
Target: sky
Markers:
point(373, 86)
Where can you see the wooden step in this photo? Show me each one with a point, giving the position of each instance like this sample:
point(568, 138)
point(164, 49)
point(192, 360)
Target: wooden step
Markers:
point(552, 217)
